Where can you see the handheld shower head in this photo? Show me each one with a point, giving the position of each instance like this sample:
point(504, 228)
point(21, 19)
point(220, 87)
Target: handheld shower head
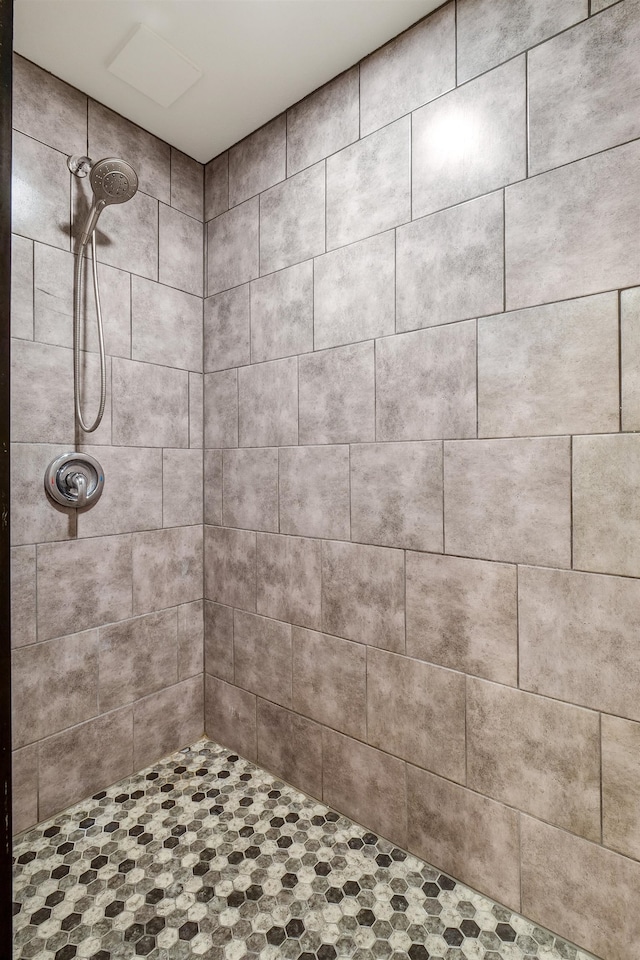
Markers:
point(112, 181)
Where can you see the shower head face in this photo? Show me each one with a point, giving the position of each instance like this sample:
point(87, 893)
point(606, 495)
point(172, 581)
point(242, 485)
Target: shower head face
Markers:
point(113, 181)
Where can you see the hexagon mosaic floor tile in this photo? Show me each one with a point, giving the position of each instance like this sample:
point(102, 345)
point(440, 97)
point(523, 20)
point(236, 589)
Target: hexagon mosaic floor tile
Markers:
point(206, 855)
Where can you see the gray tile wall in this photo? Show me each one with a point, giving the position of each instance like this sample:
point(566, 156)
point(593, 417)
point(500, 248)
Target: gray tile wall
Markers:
point(422, 338)
point(107, 605)
point(417, 394)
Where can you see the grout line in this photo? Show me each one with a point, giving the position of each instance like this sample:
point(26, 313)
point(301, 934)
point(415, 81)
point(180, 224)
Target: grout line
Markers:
point(442, 452)
point(313, 297)
point(504, 250)
point(519, 826)
point(477, 383)
point(571, 442)
point(297, 443)
point(601, 779)
point(33, 291)
point(366, 693)
point(326, 192)
point(350, 494)
point(395, 280)
point(410, 169)
point(404, 598)
point(517, 599)
point(455, 43)
point(359, 100)
point(286, 144)
point(620, 371)
point(375, 391)
point(466, 730)
point(527, 127)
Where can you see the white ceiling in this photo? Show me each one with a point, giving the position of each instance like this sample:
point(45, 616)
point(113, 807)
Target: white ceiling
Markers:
point(258, 56)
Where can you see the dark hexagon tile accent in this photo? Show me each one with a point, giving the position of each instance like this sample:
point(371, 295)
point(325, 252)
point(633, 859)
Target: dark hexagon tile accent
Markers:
point(207, 855)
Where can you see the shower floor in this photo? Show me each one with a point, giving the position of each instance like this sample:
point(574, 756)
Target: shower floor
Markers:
point(207, 855)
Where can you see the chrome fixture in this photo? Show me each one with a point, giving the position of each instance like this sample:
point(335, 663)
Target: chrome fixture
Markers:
point(112, 181)
point(74, 480)
point(80, 166)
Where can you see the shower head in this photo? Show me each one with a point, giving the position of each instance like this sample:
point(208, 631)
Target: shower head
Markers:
point(112, 181)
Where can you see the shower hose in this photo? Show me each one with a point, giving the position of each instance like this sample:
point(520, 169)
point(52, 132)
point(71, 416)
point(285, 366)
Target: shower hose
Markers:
point(77, 334)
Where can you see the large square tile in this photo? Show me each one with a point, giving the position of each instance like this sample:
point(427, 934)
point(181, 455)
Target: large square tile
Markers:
point(230, 567)
point(470, 141)
point(353, 292)
point(330, 681)
point(550, 369)
point(602, 915)
point(61, 677)
point(363, 593)
point(485, 856)
point(227, 329)
point(369, 185)
point(292, 220)
point(137, 657)
point(396, 495)
point(509, 500)
point(323, 122)
point(416, 67)
point(417, 711)
point(258, 161)
point(584, 88)
point(314, 491)
point(577, 225)
point(535, 754)
point(221, 409)
point(463, 614)
point(426, 384)
point(621, 785)
point(180, 249)
point(491, 31)
point(282, 314)
point(450, 265)
point(250, 488)
point(268, 403)
point(337, 395)
point(262, 656)
point(232, 247)
point(630, 358)
point(150, 405)
point(40, 192)
point(606, 523)
point(289, 579)
point(167, 568)
point(167, 720)
point(166, 325)
point(99, 592)
point(47, 109)
point(577, 638)
point(366, 784)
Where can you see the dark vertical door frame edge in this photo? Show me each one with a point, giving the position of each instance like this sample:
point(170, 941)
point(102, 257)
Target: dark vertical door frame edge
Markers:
point(6, 47)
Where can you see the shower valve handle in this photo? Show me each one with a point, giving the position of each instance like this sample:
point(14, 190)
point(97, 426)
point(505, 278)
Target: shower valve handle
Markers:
point(79, 481)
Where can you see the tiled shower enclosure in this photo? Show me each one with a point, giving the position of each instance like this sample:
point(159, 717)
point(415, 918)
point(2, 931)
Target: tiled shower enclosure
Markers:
point(412, 417)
